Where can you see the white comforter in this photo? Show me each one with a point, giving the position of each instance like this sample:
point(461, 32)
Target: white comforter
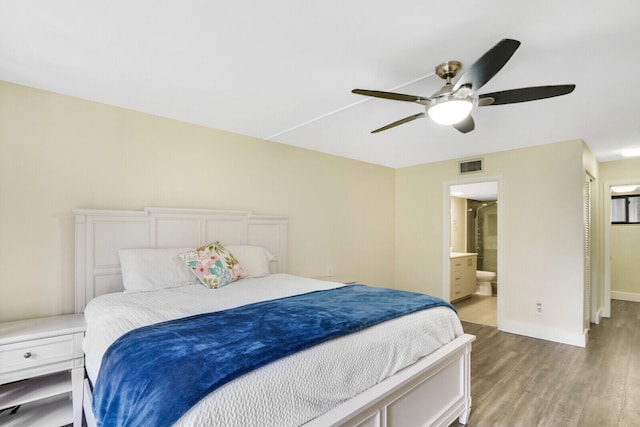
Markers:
point(290, 391)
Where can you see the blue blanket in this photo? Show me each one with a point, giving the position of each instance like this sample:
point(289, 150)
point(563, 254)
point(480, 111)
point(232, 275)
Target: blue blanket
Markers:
point(152, 375)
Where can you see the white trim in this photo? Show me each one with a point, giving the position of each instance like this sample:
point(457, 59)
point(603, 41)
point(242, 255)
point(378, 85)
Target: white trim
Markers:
point(446, 240)
point(597, 316)
point(544, 332)
point(625, 296)
point(606, 201)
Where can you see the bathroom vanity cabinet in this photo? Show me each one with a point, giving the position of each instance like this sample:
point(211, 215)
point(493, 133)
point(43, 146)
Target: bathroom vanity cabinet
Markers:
point(462, 275)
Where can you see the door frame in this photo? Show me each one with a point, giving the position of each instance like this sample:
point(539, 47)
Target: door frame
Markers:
point(606, 192)
point(446, 236)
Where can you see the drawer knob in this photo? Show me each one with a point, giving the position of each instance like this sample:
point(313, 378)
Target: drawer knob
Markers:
point(27, 355)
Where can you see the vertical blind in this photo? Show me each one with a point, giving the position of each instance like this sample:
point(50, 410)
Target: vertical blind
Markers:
point(587, 252)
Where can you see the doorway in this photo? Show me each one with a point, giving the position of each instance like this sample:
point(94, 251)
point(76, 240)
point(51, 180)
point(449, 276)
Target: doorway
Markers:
point(473, 239)
point(615, 265)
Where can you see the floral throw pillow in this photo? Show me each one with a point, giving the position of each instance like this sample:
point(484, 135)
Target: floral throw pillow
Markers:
point(213, 265)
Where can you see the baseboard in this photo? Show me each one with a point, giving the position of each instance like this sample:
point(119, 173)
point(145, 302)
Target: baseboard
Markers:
point(625, 296)
point(597, 316)
point(544, 333)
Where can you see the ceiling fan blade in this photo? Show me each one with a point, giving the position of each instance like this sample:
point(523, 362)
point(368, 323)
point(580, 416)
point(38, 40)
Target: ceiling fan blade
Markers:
point(488, 65)
point(525, 94)
point(399, 122)
point(466, 125)
point(390, 95)
point(483, 101)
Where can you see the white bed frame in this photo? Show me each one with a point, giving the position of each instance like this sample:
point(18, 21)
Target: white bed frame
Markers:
point(433, 392)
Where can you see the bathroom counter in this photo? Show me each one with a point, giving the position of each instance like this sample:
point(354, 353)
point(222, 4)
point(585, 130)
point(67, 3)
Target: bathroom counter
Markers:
point(460, 254)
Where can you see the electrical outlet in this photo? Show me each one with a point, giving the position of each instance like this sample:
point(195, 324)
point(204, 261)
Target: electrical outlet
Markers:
point(539, 308)
point(330, 272)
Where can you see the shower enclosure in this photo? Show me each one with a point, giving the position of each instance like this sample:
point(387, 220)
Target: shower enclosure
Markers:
point(482, 229)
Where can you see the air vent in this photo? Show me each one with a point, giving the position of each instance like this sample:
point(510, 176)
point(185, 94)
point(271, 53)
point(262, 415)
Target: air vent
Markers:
point(470, 166)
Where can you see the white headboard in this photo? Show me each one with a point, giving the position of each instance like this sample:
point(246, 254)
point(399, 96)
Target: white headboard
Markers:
point(101, 233)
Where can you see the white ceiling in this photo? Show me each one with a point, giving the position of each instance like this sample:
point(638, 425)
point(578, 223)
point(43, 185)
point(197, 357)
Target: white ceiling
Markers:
point(482, 191)
point(283, 70)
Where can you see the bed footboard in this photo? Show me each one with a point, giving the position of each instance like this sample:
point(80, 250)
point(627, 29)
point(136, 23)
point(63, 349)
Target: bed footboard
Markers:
point(433, 392)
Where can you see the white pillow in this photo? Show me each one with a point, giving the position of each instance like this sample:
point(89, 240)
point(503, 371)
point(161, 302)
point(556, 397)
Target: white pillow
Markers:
point(254, 259)
point(146, 270)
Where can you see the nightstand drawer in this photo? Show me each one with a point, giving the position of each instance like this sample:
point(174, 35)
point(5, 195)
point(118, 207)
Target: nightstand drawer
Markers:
point(28, 354)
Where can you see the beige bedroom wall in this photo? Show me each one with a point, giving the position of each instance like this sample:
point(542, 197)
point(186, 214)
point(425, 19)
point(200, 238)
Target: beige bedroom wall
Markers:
point(541, 251)
point(625, 268)
point(58, 153)
point(624, 240)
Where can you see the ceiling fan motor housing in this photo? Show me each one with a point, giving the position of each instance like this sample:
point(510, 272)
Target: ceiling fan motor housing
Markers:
point(448, 70)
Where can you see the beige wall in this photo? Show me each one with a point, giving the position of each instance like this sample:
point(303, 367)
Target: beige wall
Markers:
point(541, 253)
point(625, 268)
point(375, 224)
point(58, 153)
point(624, 240)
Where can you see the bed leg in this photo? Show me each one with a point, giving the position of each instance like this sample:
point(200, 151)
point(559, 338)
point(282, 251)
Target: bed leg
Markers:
point(464, 417)
point(90, 420)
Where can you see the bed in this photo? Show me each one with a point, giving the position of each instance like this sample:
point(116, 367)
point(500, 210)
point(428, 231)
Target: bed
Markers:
point(427, 383)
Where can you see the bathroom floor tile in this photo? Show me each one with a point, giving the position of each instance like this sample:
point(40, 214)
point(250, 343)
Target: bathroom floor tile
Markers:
point(478, 309)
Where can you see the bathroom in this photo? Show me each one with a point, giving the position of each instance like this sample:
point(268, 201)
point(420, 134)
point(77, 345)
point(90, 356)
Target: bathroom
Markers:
point(474, 240)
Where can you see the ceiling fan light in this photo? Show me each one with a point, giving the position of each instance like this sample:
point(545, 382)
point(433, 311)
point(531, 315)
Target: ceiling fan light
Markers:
point(450, 111)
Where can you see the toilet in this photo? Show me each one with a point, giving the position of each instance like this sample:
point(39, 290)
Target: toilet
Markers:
point(484, 279)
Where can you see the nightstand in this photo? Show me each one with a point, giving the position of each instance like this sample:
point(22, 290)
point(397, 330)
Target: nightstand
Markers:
point(42, 370)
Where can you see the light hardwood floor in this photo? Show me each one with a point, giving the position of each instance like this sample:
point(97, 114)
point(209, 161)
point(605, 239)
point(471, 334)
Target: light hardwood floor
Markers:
point(521, 381)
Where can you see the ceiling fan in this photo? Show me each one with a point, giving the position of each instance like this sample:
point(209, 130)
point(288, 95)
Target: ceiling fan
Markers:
point(452, 104)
